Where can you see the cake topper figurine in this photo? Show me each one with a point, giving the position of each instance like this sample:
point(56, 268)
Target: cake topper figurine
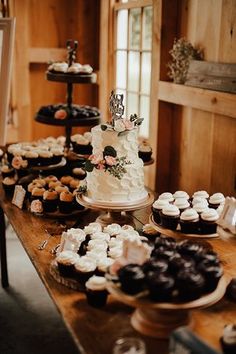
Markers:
point(118, 123)
point(71, 46)
point(116, 106)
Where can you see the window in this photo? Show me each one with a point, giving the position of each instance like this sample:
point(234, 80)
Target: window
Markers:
point(132, 54)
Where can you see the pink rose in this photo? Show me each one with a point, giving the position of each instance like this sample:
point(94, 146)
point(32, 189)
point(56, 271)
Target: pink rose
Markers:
point(128, 124)
point(36, 206)
point(96, 158)
point(17, 162)
point(60, 114)
point(119, 125)
point(100, 166)
point(110, 160)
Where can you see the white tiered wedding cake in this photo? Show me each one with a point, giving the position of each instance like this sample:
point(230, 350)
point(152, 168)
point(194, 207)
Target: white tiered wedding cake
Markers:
point(114, 171)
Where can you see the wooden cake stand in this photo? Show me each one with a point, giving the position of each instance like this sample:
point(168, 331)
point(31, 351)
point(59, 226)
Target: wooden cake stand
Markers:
point(114, 213)
point(160, 319)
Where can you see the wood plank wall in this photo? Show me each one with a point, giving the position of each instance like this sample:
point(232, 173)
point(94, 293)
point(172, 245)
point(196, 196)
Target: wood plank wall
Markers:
point(42, 28)
point(198, 150)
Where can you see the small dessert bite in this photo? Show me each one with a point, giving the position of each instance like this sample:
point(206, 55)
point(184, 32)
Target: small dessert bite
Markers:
point(85, 268)
point(37, 192)
point(170, 217)
point(145, 152)
point(157, 207)
point(208, 221)
point(149, 232)
point(215, 200)
point(160, 286)
point(189, 221)
point(7, 171)
point(132, 279)
point(66, 202)
point(79, 173)
point(65, 262)
point(96, 292)
point(190, 284)
point(182, 204)
point(8, 184)
point(50, 201)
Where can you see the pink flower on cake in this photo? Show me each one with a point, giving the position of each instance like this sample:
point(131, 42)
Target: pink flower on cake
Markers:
point(36, 206)
point(128, 124)
point(60, 114)
point(119, 125)
point(100, 166)
point(18, 162)
point(96, 158)
point(110, 160)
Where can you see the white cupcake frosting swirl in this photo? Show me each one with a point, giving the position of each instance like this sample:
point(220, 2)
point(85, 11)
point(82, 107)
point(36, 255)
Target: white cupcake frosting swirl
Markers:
point(115, 252)
point(197, 200)
point(229, 334)
point(181, 194)
point(181, 203)
point(112, 229)
point(115, 242)
point(85, 264)
point(200, 207)
point(167, 196)
point(104, 263)
point(210, 215)
point(98, 244)
point(75, 235)
point(189, 215)
point(96, 283)
point(217, 198)
point(127, 227)
point(160, 203)
point(171, 210)
point(92, 228)
point(67, 257)
point(99, 235)
point(202, 194)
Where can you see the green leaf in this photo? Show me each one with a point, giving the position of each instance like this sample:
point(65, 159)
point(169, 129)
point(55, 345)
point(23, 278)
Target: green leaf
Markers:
point(139, 121)
point(89, 166)
point(109, 151)
point(103, 127)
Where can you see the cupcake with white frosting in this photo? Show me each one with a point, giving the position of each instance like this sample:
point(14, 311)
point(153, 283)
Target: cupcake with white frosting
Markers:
point(167, 196)
point(200, 207)
point(65, 262)
point(32, 157)
point(201, 194)
point(112, 229)
point(208, 221)
point(189, 221)
point(103, 265)
point(81, 145)
point(96, 292)
point(197, 200)
point(8, 184)
point(84, 268)
point(228, 339)
point(215, 200)
point(182, 204)
point(99, 235)
point(170, 216)
point(92, 227)
point(157, 207)
point(145, 152)
point(181, 194)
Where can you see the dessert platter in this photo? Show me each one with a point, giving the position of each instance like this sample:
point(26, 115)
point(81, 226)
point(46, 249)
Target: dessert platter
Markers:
point(180, 215)
point(69, 115)
point(115, 175)
point(176, 278)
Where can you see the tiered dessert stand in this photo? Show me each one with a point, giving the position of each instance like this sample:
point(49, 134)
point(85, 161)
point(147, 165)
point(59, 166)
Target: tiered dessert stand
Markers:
point(70, 79)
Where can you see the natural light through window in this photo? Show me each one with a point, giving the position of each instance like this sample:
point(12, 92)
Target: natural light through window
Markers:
point(133, 60)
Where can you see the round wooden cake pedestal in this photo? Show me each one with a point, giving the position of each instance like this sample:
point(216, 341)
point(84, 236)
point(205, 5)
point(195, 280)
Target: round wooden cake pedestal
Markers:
point(158, 320)
point(114, 213)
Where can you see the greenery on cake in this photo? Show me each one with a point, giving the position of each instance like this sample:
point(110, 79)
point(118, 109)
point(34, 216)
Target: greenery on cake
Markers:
point(108, 161)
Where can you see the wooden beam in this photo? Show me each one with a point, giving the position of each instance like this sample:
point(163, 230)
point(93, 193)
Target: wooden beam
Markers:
point(44, 55)
point(205, 100)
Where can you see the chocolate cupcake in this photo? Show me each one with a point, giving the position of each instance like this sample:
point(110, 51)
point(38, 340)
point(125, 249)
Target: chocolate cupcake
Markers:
point(170, 217)
point(65, 262)
point(96, 292)
point(212, 274)
point(215, 200)
point(103, 265)
point(182, 204)
point(66, 202)
point(190, 284)
point(84, 269)
point(228, 340)
point(157, 207)
point(145, 152)
point(178, 262)
point(189, 248)
point(50, 201)
point(197, 200)
point(32, 157)
point(208, 221)
point(7, 171)
point(30, 187)
point(155, 265)
point(149, 232)
point(200, 207)
point(132, 279)
point(74, 184)
point(57, 155)
point(8, 184)
point(37, 193)
point(45, 157)
point(81, 145)
point(161, 286)
point(189, 221)
point(79, 173)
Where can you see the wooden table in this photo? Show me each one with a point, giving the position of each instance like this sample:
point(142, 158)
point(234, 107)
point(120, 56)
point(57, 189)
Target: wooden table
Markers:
point(95, 330)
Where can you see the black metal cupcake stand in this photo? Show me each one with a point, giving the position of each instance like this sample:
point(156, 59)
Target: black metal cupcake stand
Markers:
point(70, 79)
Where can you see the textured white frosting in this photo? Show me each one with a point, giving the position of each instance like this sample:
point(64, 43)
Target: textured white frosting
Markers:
point(217, 198)
point(96, 283)
point(181, 194)
point(112, 229)
point(99, 235)
point(166, 196)
point(171, 210)
point(197, 200)
point(189, 214)
point(104, 263)
point(160, 203)
point(115, 252)
point(85, 264)
point(98, 244)
point(130, 188)
point(67, 257)
point(210, 215)
point(181, 203)
point(202, 194)
point(92, 227)
point(200, 207)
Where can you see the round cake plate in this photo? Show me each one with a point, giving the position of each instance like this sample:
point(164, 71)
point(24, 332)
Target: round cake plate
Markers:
point(160, 319)
point(49, 167)
point(174, 233)
point(72, 78)
point(115, 213)
point(68, 282)
point(58, 215)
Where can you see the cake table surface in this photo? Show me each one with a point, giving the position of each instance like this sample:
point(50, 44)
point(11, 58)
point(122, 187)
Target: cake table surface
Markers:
point(112, 321)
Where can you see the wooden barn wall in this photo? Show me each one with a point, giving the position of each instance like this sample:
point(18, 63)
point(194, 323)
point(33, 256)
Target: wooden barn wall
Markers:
point(202, 152)
point(42, 30)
